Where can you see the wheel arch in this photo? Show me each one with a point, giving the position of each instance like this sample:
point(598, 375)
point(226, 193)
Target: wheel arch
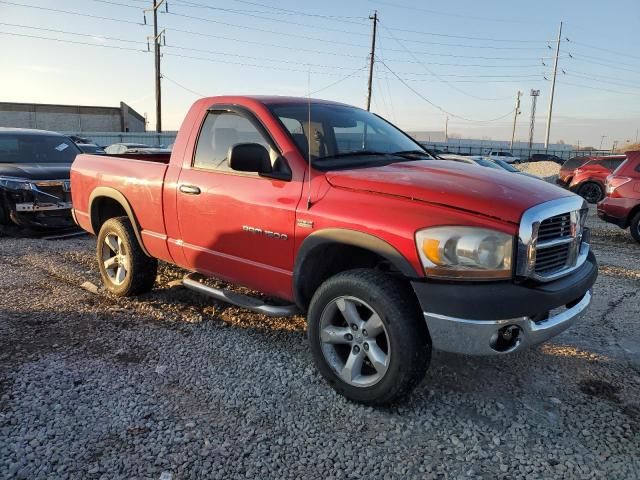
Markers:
point(104, 203)
point(351, 249)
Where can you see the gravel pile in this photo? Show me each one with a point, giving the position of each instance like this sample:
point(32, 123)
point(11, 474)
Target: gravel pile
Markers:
point(170, 385)
point(546, 170)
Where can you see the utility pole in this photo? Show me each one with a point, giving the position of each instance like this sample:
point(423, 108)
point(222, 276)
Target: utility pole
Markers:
point(553, 88)
point(156, 53)
point(446, 128)
point(602, 137)
point(372, 58)
point(515, 117)
point(532, 122)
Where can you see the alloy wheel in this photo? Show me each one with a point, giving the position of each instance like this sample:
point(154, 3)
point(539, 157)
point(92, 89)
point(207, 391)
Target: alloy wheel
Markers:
point(354, 341)
point(114, 258)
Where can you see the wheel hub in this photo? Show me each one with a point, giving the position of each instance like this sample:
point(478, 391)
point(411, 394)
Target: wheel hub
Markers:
point(354, 341)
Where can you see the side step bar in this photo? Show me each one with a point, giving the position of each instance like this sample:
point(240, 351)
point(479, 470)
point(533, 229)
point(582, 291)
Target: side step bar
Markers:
point(238, 299)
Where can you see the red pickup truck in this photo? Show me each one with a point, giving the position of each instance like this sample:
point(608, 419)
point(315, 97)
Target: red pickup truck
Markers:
point(344, 217)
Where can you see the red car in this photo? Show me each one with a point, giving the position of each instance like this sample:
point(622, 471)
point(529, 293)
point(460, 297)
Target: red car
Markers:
point(622, 202)
point(344, 217)
point(587, 180)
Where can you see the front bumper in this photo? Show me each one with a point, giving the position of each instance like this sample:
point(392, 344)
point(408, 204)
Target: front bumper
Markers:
point(502, 317)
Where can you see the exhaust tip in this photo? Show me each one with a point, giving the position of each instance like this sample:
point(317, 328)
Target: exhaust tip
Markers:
point(506, 339)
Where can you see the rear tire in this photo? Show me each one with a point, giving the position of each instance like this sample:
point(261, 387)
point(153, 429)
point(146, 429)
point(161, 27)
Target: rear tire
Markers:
point(374, 367)
point(591, 192)
point(635, 227)
point(125, 269)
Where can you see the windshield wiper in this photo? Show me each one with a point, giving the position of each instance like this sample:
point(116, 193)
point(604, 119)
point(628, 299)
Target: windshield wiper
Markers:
point(354, 154)
point(412, 152)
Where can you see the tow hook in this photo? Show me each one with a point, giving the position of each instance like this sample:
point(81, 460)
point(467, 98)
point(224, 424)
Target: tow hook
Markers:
point(506, 339)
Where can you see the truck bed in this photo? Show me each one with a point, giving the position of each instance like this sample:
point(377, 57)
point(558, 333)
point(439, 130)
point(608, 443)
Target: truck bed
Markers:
point(138, 178)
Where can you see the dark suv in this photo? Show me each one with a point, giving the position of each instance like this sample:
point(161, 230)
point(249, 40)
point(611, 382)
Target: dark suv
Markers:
point(545, 157)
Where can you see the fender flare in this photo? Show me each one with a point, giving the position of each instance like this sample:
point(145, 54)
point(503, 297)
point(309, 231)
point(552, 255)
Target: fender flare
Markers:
point(353, 238)
point(113, 194)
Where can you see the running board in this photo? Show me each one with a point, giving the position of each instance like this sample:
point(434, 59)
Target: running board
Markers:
point(240, 300)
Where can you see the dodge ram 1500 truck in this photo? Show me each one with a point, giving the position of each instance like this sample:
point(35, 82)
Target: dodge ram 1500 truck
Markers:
point(388, 251)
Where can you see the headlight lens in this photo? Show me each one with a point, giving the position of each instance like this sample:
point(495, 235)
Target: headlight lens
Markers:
point(465, 252)
point(14, 183)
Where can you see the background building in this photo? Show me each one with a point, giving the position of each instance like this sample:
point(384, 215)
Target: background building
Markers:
point(71, 118)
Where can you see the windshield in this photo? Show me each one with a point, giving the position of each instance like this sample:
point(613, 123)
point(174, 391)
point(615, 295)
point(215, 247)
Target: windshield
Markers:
point(506, 165)
point(346, 136)
point(32, 148)
point(486, 163)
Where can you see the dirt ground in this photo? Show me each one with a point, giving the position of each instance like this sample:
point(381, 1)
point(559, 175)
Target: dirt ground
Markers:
point(175, 385)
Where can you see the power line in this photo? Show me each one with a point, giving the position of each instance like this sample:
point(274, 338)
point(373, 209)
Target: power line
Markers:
point(281, 11)
point(97, 17)
point(489, 47)
point(263, 44)
point(580, 58)
point(91, 35)
point(465, 16)
point(437, 76)
point(600, 89)
point(265, 59)
point(275, 32)
point(338, 81)
point(288, 22)
point(614, 52)
point(464, 37)
point(266, 67)
point(183, 87)
point(72, 41)
point(438, 106)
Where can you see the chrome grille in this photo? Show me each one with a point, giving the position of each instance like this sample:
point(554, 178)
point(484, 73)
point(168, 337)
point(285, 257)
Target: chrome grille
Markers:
point(551, 239)
point(552, 258)
point(555, 227)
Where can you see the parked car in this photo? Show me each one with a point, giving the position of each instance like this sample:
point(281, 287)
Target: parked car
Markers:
point(588, 179)
point(506, 156)
point(121, 148)
point(470, 160)
point(388, 251)
point(91, 148)
point(621, 205)
point(34, 179)
point(545, 157)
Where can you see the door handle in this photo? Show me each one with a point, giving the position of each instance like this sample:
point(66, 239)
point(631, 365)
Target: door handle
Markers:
point(190, 189)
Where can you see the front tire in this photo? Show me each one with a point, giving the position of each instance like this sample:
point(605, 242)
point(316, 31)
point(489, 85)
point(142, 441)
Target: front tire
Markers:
point(125, 269)
point(635, 227)
point(368, 337)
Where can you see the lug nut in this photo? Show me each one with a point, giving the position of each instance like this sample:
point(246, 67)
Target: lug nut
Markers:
point(348, 337)
point(364, 332)
point(356, 349)
point(354, 327)
point(366, 346)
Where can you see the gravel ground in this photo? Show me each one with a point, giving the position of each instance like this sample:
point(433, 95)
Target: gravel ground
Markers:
point(170, 385)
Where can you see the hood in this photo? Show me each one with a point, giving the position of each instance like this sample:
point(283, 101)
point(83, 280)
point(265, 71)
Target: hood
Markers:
point(36, 171)
point(485, 191)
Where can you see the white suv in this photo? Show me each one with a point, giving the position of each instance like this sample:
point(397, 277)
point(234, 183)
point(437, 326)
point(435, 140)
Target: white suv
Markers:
point(504, 156)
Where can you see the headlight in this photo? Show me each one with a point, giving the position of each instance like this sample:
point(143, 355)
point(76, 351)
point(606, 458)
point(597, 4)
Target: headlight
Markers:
point(465, 252)
point(14, 183)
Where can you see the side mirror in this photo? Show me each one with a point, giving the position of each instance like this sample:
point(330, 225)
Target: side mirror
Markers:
point(249, 157)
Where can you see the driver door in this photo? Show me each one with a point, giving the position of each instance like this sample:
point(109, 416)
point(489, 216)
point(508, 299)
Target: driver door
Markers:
point(238, 226)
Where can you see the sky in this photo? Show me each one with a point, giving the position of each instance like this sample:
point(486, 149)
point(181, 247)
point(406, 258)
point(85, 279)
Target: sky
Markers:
point(464, 60)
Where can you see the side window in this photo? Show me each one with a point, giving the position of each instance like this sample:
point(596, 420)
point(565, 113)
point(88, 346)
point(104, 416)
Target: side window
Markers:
point(613, 164)
point(221, 131)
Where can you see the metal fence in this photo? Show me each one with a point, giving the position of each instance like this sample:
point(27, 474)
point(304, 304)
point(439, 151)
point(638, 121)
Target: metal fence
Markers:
point(522, 153)
point(152, 139)
point(165, 139)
